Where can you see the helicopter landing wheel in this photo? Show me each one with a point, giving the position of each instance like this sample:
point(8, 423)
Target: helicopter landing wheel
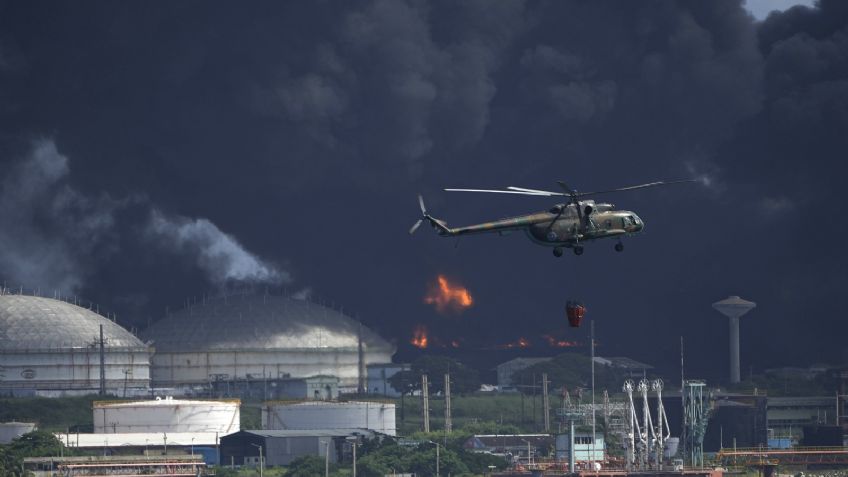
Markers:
point(619, 247)
point(578, 250)
point(557, 251)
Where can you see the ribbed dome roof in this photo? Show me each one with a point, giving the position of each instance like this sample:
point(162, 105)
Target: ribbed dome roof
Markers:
point(34, 322)
point(255, 321)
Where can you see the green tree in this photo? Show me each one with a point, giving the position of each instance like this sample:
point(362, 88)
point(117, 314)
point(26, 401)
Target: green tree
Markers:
point(308, 466)
point(423, 462)
point(32, 444)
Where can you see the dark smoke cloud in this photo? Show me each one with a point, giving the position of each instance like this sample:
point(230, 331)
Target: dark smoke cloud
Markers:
point(302, 132)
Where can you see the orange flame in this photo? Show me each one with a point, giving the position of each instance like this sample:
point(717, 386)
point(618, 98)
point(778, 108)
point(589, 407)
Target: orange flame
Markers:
point(520, 343)
point(558, 343)
point(419, 337)
point(447, 296)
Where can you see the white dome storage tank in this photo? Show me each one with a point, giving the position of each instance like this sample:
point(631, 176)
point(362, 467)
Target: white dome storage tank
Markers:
point(250, 337)
point(374, 416)
point(167, 415)
point(49, 347)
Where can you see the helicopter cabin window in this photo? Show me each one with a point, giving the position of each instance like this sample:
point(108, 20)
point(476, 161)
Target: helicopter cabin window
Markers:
point(608, 223)
point(554, 210)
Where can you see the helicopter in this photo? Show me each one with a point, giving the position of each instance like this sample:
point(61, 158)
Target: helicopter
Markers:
point(566, 225)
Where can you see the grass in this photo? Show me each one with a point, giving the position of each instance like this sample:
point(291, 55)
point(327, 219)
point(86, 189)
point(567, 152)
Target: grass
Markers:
point(473, 410)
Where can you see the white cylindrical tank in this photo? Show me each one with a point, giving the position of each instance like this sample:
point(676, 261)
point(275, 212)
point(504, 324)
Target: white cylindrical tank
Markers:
point(167, 415)
point(374, 416)
point(11, 430)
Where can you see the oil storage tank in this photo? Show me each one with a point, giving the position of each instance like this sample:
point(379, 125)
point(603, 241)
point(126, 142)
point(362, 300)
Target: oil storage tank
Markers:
point(167, 415)
point(256, 337)
point(374, 416)
point(49, 347)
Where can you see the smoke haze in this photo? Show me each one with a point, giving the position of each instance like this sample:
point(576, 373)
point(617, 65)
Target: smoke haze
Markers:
point(196, 144)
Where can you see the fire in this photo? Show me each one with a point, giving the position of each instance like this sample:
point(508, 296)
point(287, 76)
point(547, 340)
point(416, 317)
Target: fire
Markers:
point(558, 343)
point(520, 343)
point(447, 296)
point(419, 337)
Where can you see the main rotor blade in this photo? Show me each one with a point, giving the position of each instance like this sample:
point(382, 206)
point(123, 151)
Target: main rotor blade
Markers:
point(421, 203)
point(499, 191)
point(534, 191)
point(640, 186)
point(415, 227)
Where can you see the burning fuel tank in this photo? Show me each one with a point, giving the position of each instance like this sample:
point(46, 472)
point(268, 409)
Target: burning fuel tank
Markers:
point(574, 311)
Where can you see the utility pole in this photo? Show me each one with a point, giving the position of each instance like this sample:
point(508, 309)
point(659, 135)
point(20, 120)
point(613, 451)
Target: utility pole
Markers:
point(425, 402)
point(592, 351)
point(545, 403)
point(448, 423)
point(360, 387)
point(102, 364)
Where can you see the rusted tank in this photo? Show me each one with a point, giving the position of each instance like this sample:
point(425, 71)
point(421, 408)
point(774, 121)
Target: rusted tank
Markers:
point(575, 311)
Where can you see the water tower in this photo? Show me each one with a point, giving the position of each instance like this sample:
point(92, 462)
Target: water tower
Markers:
point(734, 307)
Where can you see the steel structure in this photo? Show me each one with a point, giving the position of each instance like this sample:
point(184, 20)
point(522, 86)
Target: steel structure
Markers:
point(249, 336)
point(696, 413)
point(53, 347)
point(644, 441)
point(798, 456)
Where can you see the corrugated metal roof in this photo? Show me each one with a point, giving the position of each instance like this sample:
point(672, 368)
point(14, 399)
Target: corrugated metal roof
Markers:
point(310, 432)
point(39, 323)
point(254, 321)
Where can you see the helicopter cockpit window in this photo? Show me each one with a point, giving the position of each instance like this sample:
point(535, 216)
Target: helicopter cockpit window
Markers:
point(625, 221)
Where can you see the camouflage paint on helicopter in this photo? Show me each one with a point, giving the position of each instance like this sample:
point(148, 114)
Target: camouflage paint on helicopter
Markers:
point(566, 225)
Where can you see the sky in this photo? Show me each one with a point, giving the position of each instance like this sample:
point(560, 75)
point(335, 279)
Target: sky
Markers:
point(150, 153)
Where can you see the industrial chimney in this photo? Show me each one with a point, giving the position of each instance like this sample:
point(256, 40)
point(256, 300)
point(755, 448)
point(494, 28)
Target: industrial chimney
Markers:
point(734, 307)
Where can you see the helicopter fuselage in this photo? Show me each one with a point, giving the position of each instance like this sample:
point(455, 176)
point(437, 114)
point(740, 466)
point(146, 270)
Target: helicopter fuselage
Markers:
point(566, 225)
point(561, 226)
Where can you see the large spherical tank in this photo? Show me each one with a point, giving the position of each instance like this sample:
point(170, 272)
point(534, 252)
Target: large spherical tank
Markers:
point(12, 430)
point(375, 416)
point(167, 415)
point(251, 336)
point(48, 346)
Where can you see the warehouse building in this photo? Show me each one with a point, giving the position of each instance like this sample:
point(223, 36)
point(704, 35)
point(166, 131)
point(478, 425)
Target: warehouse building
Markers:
point(280, 447)
point(49, 347)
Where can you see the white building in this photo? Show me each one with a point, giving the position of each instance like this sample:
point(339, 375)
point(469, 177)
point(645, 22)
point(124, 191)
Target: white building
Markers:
point(50, 348)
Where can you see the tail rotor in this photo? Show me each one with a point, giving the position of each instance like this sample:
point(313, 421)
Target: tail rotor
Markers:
point(424, 216)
